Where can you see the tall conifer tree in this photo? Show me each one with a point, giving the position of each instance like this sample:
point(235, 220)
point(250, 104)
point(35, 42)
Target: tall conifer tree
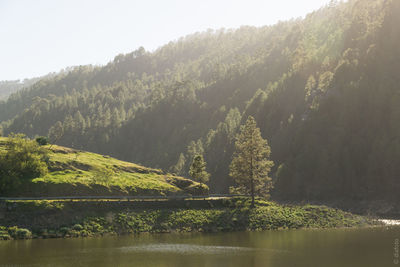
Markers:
point(198, 170)
point(250, 165)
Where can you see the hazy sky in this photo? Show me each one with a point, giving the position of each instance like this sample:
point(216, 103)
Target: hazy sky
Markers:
point(42, 36)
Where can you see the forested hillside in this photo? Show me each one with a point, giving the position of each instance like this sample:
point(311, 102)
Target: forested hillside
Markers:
point(324, 90)
point(9, 87)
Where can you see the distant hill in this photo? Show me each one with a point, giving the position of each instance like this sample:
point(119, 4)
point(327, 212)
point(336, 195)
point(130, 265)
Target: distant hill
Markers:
point(7, 88)
point(80, 173)
point(324, 91)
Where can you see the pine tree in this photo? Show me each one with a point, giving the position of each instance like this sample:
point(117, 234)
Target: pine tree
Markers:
point(198, 170)
point(179, 166)
point(250, 165)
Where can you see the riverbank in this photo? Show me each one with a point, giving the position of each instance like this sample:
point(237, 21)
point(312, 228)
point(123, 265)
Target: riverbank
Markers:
point(372, 208)
point(58, 219)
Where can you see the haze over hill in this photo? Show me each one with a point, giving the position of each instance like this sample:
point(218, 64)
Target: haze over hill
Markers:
point(323, 89)
point(39, 37)
point(9, 87)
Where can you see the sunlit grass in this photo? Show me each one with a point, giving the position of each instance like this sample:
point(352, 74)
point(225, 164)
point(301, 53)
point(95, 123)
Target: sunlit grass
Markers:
point(94, 174)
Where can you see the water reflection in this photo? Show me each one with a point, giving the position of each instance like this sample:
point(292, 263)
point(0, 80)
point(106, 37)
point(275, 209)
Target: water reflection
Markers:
point(339, 247)
point(185, 249)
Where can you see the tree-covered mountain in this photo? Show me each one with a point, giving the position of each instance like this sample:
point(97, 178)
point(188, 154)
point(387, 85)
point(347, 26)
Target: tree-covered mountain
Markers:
point(9, 87)
point(324, 91)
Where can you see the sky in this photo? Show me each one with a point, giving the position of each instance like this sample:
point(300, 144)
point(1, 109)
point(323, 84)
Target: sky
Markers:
point(43, 36)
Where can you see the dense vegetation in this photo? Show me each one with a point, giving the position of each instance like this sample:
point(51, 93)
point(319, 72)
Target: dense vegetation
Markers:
point(46, 219)
point(21, 160)
point(29, 170)
point(324, 90)
point(9, 87)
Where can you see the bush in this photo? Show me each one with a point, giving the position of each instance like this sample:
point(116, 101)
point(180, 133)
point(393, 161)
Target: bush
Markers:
point(4, 233)
point(64, 231)
point(180, 182)
point(23, 160)
point(23, 233)
point(19, 233)
point(197, 189)
point(77, 227)
point(42, 140)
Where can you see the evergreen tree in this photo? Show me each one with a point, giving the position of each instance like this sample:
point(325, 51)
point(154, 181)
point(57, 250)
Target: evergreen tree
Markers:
point(198, 170)
point(250, 165)
point(179, 166)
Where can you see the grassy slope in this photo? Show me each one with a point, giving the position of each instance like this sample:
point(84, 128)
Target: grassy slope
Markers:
point(73, 172)
point(46, 219)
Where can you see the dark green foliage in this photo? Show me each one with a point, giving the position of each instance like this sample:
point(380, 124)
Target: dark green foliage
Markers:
point(73, 220)
point(323, 90)
point(23, 160)
point(23, 234)
point(42, 140)
point(198, 170)
point(77, 227)
point(19, 233)
point(4, 234)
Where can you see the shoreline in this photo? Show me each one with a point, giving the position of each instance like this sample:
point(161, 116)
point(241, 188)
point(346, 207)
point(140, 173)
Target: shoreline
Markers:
point(52, 219)
point(114, 235)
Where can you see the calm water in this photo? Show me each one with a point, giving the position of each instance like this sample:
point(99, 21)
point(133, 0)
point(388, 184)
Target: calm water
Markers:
point(339, 247)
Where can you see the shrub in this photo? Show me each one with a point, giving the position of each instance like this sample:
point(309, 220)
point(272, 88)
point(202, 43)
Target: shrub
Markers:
point(180, 182)
point(23, 233)
point(64, 230)
point(23, 160)
point(197, 189)
point(4, 233)
point(42, 140)
point(77, 227)
point(4, 236)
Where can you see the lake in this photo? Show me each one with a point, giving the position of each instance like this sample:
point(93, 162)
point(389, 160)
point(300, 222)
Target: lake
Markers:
point(373, 247)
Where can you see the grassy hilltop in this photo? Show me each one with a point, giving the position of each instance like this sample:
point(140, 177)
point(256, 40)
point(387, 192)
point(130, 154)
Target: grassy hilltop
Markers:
point(74, 172)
